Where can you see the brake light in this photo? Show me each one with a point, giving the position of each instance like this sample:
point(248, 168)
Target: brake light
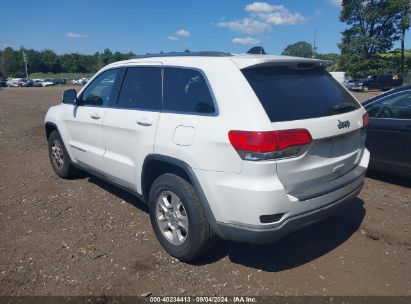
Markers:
point(269, 145)
point(254, 141)
point(365, 120)
point(297, 137)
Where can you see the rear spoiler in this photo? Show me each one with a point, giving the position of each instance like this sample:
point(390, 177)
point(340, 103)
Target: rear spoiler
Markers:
point(252, 61)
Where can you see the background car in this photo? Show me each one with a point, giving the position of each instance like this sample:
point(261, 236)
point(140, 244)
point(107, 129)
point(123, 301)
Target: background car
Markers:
point(41, 83)
point(350, 83)
point(3, 82)
point(48, 82)
point(13, 82)
point(38, 83)
point(80, 82)
point(389, 131)
point(378, 82)
point(25, 83)
point(59, 81)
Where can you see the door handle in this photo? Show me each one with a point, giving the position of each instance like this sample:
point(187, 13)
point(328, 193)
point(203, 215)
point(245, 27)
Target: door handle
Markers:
point(144, 122)
point(95, 116)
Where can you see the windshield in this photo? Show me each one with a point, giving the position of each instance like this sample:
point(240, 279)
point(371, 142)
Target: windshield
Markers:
point(292, 94)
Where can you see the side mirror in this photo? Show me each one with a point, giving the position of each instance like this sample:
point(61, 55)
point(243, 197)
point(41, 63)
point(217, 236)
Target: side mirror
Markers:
point(69, 96)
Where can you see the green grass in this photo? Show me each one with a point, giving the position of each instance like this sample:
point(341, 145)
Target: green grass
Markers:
point(59, 75)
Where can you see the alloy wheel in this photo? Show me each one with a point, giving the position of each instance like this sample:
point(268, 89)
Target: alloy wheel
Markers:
point(57, 154)
point(172, 218)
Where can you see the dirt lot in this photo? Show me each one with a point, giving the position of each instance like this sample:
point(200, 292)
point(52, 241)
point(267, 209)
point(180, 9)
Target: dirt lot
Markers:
point(85, 237)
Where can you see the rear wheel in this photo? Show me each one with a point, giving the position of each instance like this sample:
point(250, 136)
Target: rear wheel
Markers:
point(178, 219)
point(59, 158)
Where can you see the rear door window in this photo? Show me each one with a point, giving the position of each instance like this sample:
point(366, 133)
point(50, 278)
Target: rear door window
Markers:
point(292, 94)
point(141, 89)
point(396, 106)
point(186, 90)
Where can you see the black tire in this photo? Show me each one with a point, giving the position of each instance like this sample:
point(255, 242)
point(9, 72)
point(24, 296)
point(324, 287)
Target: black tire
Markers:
point(66, 168)
point(200, 238)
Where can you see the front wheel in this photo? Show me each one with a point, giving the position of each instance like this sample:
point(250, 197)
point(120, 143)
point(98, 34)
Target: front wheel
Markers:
point(59, 158)
point(178, 219)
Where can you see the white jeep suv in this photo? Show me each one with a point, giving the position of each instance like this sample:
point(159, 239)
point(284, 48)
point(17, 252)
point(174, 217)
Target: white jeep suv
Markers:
point(241, 147)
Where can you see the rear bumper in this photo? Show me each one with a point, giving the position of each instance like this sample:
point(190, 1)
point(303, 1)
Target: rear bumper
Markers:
point(254, 207)
point(311, 192)
point(244, 234)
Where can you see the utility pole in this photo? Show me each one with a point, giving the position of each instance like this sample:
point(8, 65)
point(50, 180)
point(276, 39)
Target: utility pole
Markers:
point(314, 42)
point(25, 63)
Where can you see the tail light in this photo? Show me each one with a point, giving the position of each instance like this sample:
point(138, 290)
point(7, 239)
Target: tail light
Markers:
point(270, 145)
point(365, 120)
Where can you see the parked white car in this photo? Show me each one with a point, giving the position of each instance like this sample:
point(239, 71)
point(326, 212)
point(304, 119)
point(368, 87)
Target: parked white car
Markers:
point(47, 83)
point(42, 83)
point(13, 82)
point(246, 148)
point(81, 81)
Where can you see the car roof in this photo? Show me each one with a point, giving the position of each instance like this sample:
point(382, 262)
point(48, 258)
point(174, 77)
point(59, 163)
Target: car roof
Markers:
point(241, 60)
point(404, 87)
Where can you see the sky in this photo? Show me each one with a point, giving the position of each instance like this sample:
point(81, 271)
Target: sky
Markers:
point(151, 26)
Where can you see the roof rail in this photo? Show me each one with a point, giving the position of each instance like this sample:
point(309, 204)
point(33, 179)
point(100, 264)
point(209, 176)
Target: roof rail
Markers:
point(184, 54)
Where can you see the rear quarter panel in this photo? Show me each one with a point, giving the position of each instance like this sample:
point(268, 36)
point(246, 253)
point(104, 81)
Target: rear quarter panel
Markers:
point(238, 109)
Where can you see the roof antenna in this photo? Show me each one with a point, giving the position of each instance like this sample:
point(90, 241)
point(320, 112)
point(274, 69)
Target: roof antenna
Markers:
point(257, 50)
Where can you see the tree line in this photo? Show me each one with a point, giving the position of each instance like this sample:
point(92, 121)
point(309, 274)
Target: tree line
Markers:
point(390, 62)
point(366, 47)
point(47, 61)
point(374, 26)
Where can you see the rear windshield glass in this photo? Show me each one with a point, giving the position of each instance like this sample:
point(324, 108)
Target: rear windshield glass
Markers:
point(292, 94)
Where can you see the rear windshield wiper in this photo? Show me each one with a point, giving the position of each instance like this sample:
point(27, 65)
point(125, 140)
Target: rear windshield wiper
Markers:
point(344, 107)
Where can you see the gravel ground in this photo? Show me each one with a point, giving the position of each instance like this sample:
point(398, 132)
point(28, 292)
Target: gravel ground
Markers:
point(86, 237)
point(362, 96)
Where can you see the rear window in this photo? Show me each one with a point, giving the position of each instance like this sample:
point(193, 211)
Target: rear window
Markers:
point(292, 94)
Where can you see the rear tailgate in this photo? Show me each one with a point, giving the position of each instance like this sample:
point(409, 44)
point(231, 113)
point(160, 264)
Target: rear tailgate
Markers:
point(305, 96)
point(333, 152)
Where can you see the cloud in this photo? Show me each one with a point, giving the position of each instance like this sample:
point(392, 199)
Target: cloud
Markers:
point(262, 17)
point(245, 26)
point(245, 40)
point(183, 33)
point(283, 18)
point(179, 34)
point(274, 14)
point(76, 35)
point(335, 2)
point(262, 7)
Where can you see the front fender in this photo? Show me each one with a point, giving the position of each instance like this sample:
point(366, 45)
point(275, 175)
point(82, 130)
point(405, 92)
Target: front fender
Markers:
point(54, 117)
